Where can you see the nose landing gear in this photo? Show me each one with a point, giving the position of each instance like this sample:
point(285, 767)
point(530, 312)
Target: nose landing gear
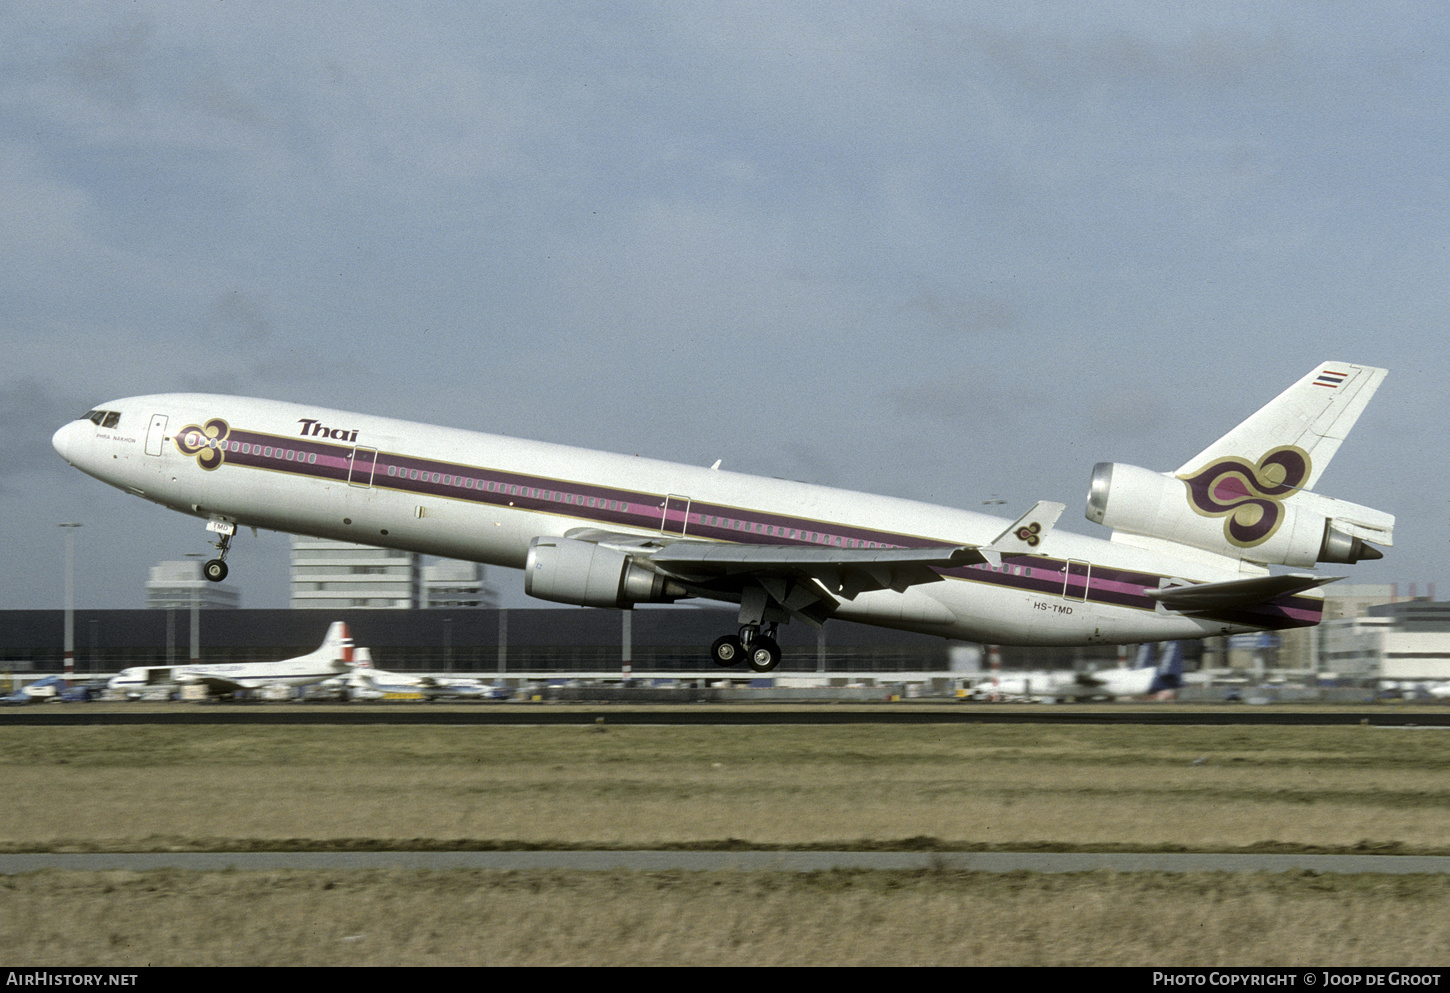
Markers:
point(215, 569)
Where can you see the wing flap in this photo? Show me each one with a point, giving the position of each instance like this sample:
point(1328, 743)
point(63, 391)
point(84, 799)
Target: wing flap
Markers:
point(726, 558)
point(842, 571)
point(845, 572)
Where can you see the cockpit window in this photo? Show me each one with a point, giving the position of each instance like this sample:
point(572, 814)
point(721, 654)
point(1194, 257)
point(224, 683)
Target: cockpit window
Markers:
point(102, 418)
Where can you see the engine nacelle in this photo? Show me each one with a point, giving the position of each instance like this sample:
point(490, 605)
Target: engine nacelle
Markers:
point(1236, 511)
point(588, 575)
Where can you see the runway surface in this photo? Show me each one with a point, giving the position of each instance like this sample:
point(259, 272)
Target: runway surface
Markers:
point(84, 715)
point(730, 861)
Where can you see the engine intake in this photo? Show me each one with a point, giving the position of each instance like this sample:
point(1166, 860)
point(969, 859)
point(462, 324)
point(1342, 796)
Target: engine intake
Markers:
point(583, 573)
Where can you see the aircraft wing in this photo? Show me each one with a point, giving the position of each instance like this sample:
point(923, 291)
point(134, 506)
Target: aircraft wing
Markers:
point(214, 684)
point(1236, 593)
point(842, 570)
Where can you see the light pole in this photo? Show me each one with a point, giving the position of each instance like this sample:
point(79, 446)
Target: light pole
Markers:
point(70, 599)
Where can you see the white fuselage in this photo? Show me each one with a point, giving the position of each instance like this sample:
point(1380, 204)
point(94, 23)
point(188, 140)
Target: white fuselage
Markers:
point(246, 675)
point(484, 498)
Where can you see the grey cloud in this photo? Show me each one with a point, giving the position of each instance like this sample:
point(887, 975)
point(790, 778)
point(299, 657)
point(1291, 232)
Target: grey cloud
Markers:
point(216, 96)
point(109, 71)
point(1047, 61)
point(964, 315)
point(1128, 413)
point(237, 316)
point(30, 413)
point(945, 400)
point(815, 465)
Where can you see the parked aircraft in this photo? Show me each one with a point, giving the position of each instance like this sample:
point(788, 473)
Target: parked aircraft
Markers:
point(1157, 667)
point(1189, 555)
point(55, 688)
point(1018, 686)
point(40, 691)
point(365, 682)
point(332, 658)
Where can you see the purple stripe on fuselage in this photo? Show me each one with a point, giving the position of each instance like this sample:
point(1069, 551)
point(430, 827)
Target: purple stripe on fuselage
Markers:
point(625, 508)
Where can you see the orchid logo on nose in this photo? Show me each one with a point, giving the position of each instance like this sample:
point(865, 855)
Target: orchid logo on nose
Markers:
point(206, 441)
point(1248, 497)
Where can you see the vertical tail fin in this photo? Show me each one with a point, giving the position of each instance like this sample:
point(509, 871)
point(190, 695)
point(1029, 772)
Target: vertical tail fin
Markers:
point(1249, 496)
point(1170, 666)
point(1314, 415)
point(1165, 658)
point(338, 643)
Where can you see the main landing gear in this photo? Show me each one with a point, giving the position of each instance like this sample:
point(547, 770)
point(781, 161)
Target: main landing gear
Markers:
point(759, 651)
point(216, 569)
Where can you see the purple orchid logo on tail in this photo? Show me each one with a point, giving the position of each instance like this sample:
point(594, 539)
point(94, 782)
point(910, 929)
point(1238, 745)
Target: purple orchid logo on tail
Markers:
point(1248, 496)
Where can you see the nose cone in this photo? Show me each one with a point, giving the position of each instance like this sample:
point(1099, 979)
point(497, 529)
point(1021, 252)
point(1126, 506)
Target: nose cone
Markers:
point(67, 440)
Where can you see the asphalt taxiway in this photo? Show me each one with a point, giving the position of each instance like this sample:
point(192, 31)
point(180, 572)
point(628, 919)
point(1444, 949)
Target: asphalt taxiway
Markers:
point(527, 714)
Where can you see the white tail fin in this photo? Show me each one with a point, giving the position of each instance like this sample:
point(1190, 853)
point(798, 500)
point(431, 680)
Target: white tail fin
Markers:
point(1314, 415)
point(338, 643)
point(1248, 495)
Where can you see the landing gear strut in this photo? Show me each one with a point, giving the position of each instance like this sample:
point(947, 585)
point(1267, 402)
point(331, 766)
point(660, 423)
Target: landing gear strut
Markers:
point(760, 652)
point(216, 569)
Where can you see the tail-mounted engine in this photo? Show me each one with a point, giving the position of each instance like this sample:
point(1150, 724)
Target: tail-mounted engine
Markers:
point(566, 570)
point(1239, 509)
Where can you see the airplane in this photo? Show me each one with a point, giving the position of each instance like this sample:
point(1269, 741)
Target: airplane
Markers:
point(1017, 686)
point(40, 691)
point(1189, 554)
point(331, 658)
point(1157, 667)
point(365, 682)
point(57, 688)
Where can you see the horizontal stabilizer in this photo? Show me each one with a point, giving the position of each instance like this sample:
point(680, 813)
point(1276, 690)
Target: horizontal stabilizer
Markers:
point(1236, 593)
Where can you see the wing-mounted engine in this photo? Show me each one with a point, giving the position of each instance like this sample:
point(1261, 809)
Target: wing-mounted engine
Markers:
point(586, 574)
point(1239, 509)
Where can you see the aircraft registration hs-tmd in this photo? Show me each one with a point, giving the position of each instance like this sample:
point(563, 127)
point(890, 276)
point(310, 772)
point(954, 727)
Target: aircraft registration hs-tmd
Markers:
point(1188, 556)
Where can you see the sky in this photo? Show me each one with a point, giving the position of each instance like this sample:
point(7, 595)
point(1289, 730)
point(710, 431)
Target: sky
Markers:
point(955, 252)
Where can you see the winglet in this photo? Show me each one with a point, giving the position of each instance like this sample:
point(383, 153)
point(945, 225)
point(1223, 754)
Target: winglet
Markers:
point(1027, 533)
